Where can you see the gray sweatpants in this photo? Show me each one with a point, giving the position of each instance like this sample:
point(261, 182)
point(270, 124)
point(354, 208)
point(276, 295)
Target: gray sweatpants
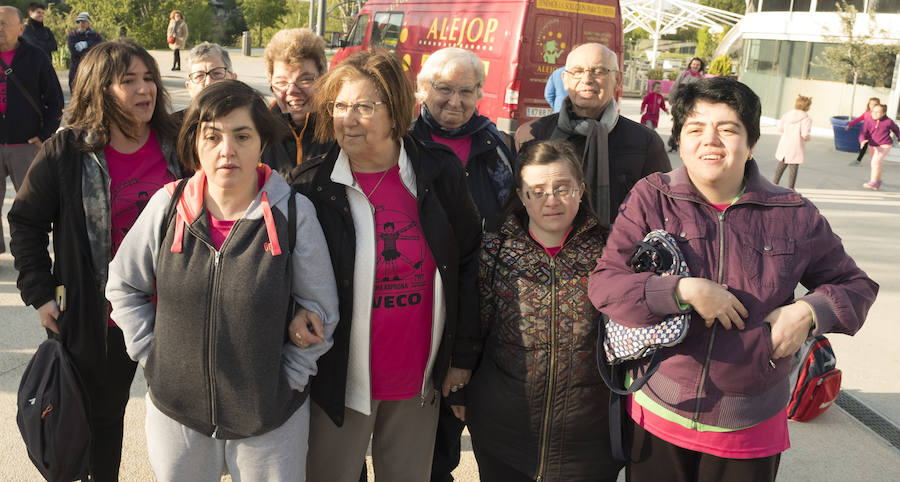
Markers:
point(178, 453)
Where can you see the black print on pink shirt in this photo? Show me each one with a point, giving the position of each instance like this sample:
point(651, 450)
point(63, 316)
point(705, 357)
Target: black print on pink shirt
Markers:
point(400, 247)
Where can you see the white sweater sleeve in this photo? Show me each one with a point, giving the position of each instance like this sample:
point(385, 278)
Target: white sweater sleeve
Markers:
point(314, 288)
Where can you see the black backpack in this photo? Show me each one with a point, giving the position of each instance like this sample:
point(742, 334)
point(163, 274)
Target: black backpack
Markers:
point(53, 414)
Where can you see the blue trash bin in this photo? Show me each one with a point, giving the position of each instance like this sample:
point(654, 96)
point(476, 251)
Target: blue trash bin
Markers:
point(846, 141)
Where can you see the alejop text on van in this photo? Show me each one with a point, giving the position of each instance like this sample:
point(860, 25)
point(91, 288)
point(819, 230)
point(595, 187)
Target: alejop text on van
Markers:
point(461, 30)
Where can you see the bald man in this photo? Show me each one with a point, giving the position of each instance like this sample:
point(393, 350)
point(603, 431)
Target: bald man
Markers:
point(617, 152)
point(30, 103)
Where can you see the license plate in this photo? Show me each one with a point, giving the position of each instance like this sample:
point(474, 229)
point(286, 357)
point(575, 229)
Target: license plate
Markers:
point(538, 111)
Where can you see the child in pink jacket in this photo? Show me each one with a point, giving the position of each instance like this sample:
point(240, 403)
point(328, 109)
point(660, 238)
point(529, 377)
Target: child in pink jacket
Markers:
point(794, 126)
point(876, 133)
point(873, 101)
point(653, 102)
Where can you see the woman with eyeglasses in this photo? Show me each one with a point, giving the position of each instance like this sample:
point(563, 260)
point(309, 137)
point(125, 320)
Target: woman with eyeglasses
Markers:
point(403, 234)
point(295, 59)
point(536, 406)
point(449, 87)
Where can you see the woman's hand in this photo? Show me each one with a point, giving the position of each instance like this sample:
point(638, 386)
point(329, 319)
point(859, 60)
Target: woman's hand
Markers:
point(456, 379)
point(48, 313)
point(790, 327)
point(306, 328)
point(459, 411)
point(712, 301)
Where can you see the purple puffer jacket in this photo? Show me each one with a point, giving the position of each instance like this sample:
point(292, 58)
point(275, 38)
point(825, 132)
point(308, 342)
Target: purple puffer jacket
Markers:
point(761, 247)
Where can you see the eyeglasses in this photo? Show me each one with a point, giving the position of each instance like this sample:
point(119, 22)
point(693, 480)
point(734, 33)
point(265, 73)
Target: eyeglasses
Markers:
point(447, 91)
point(217, 73)
point(595, 72)
point(364, 109)
point(561, 193)
point(81, 21)
point(283, 85)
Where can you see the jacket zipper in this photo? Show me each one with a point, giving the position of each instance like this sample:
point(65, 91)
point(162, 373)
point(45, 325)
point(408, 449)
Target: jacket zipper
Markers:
point(712, 335)
point(545, 427)
point(211, 360)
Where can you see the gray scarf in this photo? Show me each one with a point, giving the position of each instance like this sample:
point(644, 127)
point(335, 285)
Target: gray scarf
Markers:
point(596, 151)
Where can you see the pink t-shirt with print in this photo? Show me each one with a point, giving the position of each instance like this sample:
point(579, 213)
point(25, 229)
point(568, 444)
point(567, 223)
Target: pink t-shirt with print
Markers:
point(403, 299)
point(461, 147)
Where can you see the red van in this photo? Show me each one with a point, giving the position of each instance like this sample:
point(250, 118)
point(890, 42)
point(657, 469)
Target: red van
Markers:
point(521, 42)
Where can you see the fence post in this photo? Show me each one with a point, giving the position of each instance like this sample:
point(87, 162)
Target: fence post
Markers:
point(245, 43)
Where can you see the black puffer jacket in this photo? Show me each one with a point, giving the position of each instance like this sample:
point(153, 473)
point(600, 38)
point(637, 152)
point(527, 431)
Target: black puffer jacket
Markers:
point(452, 230)
point(297, 146)
point(537, 401)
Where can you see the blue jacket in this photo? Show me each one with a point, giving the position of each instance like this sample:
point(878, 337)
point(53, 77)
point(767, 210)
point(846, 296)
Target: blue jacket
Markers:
point(555, 92)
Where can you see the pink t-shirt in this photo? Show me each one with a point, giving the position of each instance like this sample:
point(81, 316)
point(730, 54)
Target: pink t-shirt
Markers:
point(218, 229)
point(761, 440)
point(133, 178)
point(7, 57)
point(461, 147)
point(404, 289)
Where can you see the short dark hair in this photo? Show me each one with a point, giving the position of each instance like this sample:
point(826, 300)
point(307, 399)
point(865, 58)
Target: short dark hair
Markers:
point(718, 90)
point(219, 100)
point(540, 153)
point(386, 73)
point(36, 6)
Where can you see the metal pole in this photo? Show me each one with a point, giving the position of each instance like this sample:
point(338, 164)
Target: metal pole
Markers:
point(312, 14)
point(320, 18)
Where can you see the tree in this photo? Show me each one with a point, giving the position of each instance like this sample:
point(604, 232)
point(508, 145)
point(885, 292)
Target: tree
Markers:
point(856, 56)
point(262, 13)
point(735, 6)
point(721, 65)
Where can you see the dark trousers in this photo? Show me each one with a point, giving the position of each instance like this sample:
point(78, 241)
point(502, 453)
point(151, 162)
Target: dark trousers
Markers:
point(492, 469)
point(653, 459)
point(108, 403)
point(779, 170)
point(176, 63)
point(446, 444)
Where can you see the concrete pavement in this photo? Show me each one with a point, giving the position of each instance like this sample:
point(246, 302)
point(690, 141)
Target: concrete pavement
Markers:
point(834, 447)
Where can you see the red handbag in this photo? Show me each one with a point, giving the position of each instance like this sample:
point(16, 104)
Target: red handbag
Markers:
point(171, 39)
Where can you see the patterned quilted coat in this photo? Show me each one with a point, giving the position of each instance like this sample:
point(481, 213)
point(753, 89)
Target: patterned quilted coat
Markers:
point(537, 402)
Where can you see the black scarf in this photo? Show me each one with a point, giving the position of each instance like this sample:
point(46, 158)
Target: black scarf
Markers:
point(596, 152)
point(473, 125)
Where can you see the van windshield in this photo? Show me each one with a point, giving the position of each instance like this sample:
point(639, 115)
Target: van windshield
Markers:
point(386, 30)
point(358, 32)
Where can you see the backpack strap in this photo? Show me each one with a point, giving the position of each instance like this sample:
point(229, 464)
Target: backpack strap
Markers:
point(34, 105)
point(170, 210)
point(292, 219)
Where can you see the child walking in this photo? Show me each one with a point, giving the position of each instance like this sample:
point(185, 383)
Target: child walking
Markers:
point(794, 126)
point(653, 102)
point(873, 101)
point(877, 134)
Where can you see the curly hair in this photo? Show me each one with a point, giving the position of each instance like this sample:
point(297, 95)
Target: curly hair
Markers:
point(293, 46)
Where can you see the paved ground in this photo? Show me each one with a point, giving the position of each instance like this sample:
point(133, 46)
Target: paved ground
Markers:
point(834, 447)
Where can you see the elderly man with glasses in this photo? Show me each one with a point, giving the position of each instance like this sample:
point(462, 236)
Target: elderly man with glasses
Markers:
point(80, 41)
point(616, 151)
point(295, 59)
point(208, 63)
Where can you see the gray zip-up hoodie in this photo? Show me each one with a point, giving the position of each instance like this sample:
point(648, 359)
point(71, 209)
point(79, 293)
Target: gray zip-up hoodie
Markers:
point(214, 346)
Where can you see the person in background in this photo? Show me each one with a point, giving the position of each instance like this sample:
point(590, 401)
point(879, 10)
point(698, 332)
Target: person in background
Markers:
point(876, 133)
point(80, 41)
point(295, 59)
point(651, 105)
point(616, 152)
point(403, 234)
point(31, 102)
point(555, 92)
point(208, 63)
point(693, 73)
point(87, 186)
point(176, 36)
point(537, 407)
point(715, 409)
point(863, 146)
point(36, 32)
point(226, 385)
point(795, 127)
point(449, 87)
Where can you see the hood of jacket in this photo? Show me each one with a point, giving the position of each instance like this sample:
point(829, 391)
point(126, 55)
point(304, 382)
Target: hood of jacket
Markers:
point(190, 204)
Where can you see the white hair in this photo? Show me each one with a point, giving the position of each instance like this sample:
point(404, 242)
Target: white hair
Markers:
point(443, 63)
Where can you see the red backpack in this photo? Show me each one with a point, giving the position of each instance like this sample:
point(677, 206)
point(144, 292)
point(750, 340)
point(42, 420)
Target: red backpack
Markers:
point(816, 380)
